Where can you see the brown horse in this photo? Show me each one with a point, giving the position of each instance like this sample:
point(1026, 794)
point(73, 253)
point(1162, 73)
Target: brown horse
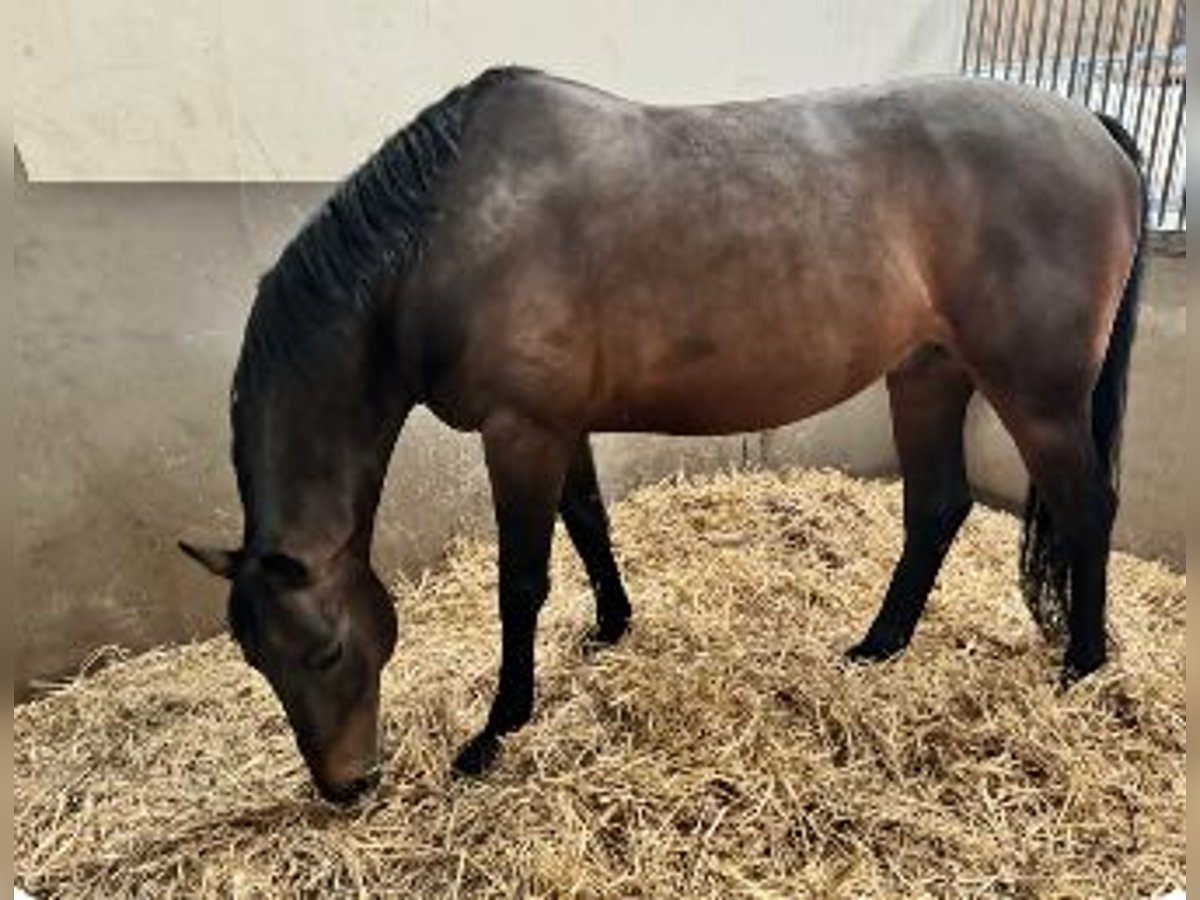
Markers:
point(535, 260)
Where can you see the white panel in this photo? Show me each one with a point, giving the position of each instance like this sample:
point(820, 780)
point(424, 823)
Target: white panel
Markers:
point(304, 90)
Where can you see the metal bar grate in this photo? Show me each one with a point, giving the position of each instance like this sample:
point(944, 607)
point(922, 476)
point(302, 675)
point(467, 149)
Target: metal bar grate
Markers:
point(1126, 58)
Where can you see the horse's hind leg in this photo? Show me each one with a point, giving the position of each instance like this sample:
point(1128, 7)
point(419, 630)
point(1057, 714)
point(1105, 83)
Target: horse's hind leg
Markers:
point(929, 393)
point(1065, 556)
point(582, 510)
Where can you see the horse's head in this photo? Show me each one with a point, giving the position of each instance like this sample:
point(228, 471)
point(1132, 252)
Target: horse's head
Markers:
point(320, 637)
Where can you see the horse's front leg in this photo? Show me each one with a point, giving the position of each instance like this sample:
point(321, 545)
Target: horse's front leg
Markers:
point(526, 465)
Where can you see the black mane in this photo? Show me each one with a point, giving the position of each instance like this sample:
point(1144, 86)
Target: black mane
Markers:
point(371, 228)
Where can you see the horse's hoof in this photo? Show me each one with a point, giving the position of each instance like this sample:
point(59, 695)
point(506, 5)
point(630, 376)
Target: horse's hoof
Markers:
point(871, 650)
point(1075, 670)
point(605, 634)
point(477, 755)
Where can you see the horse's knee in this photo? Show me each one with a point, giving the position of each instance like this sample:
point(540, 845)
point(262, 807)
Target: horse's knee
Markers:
point(522, 595)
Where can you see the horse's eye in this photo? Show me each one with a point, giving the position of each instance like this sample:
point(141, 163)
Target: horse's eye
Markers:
point(326, 658)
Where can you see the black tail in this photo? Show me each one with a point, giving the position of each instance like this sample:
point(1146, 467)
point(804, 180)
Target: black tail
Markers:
point(1045, 573)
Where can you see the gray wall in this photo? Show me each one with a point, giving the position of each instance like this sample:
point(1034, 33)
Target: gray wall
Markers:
point(130, 302)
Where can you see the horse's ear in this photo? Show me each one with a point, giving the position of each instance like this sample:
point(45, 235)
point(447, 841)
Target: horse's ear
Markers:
point(220, 562)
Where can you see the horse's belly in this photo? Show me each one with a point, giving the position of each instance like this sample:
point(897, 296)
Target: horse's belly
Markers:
point(726, 395)
point(724, 411)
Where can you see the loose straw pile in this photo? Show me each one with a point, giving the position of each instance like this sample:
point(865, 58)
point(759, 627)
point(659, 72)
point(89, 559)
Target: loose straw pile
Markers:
point(723, 749)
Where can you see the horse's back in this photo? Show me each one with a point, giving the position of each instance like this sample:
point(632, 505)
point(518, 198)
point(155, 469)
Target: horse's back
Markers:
point(836, 166)
point(554, 121)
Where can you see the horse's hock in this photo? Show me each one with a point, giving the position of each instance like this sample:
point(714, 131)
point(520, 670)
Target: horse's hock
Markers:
point(724, 747)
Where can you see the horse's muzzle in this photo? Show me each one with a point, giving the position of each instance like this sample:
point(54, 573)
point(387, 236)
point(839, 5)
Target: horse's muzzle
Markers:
point(347, 793)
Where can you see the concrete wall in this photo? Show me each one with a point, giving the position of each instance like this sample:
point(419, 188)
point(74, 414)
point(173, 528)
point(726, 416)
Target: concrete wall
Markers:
point(130, 301)
point(299, 90)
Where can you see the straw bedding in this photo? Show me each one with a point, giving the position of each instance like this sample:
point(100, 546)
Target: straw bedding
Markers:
point(724, 749)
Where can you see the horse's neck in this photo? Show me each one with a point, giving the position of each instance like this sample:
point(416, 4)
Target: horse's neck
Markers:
point(311, 466)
